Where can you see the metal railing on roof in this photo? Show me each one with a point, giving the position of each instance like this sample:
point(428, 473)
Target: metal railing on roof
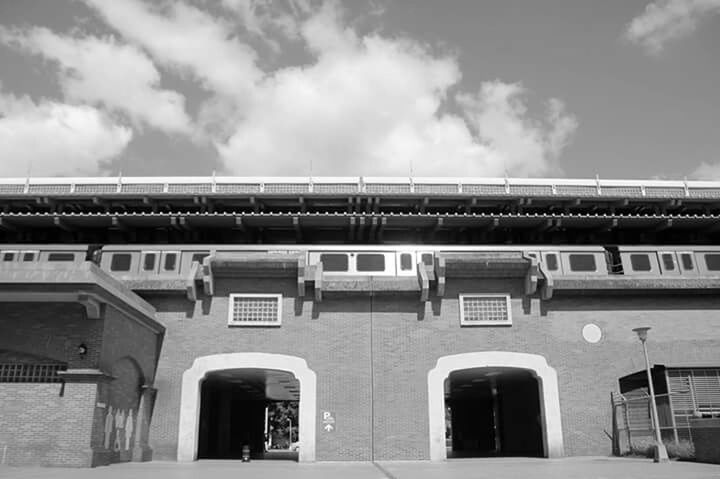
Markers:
point(401, 186)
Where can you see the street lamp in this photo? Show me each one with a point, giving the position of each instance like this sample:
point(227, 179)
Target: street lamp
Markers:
point(661, 454)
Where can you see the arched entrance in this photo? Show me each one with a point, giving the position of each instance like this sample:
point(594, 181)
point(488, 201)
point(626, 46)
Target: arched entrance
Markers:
point(190, 403)
point(485, 370)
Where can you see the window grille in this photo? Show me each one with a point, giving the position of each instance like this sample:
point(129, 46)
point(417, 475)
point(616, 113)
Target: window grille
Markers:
point(485, 310)
point(695, 391)
point(31, 373)
point(255, 310)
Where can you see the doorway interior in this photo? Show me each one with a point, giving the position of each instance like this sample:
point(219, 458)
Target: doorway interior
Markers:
point(249, 408)
point(493, 412)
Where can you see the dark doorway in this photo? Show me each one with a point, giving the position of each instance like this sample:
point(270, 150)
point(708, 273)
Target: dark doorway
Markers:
point(237, 408)
point(493, 412)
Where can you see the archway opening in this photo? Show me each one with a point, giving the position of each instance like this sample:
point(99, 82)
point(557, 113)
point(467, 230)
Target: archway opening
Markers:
point(493, 412)
point(249, 407)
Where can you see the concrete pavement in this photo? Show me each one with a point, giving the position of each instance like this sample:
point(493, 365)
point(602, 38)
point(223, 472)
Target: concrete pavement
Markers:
point(505, 468)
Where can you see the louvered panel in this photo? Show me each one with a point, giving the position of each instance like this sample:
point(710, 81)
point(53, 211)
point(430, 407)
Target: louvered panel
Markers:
point(707, 389)
point(680, 393)
point(664, 192)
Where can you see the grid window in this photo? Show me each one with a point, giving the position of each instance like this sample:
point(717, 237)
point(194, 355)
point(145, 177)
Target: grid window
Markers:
point(28, 255)
point(9, 256)
point(31, 373)
point(255, 310)
point(485, 310)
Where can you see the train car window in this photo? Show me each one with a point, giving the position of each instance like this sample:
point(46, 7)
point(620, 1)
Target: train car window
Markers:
point(334, 262)
point(170, 260)
point(28, 256)
point(668, 262)
point(551, 261)
point(640, 262)
point(149, 261)
point(582, 262)
point(61, 257)
point(8, 256)
point(427, 259)
point(405, 262)
point(199, 257)
point(712, 260)
point(370, 262)
point(120, 262)
point(687, 261)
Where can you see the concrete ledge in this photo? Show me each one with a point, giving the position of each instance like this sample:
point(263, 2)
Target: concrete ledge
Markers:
point(82, 283)
point(84, 376)
point(370, 284)
point(489, 265)
point(684, 284)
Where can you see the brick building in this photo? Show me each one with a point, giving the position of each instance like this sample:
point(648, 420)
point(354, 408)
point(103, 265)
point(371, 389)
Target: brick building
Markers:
point(411, 318)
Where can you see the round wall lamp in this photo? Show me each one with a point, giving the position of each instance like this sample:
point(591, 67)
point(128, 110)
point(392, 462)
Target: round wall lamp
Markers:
point(82, 350)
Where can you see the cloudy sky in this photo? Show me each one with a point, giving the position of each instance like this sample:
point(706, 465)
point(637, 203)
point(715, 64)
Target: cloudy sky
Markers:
point(562, 88)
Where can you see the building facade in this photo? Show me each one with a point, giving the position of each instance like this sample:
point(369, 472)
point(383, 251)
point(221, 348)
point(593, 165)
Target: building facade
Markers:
point(411, 319)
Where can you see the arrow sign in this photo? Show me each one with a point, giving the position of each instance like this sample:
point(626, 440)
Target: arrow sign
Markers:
point(328, 420)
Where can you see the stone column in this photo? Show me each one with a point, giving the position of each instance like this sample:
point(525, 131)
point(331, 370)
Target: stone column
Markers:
point(141, 451)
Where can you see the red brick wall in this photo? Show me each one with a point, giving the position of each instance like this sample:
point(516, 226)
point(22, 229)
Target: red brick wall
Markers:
point(372, 355)
point(53, 330)
point(40, 427)
point(115, 344)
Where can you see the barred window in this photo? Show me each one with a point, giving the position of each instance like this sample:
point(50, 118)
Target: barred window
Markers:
point(485, 310)
point(30, 373)
point(255, 310)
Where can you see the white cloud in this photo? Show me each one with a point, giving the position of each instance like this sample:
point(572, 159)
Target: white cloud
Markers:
point(706, 171)
point(666, 20)
point(372, 106)
point(363, 104)
point(52, 138)
point(102, 71)
point(188, 39)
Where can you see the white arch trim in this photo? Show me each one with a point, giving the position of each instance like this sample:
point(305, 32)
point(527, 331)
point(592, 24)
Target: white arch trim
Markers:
point(190, 396)
point(547, 382)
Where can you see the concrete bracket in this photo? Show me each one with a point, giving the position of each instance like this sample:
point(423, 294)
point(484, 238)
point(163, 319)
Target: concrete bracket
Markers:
point(440, 275)
point(93, 307)
point(302, 273)
point(424, 282)
point(531, 278)
point(318, 281)
point(207, 275)
point(546, 291)
point(190, 286)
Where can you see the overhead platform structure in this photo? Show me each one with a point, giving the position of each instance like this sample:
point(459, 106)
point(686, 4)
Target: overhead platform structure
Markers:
point(358, 209)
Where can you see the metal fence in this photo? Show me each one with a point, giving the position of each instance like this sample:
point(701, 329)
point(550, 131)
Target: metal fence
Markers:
point(633, 425)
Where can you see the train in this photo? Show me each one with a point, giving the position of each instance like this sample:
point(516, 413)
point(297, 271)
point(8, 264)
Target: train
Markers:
point(176, 261)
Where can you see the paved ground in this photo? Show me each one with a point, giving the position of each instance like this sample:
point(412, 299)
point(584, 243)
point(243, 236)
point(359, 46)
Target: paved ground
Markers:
point(568, 468)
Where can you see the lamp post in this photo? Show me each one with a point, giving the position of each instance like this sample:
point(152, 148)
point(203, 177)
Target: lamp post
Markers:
point(661, 454)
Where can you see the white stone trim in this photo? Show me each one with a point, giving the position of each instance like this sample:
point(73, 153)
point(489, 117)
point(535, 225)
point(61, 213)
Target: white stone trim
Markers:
point(547, 382)
point(190, 396)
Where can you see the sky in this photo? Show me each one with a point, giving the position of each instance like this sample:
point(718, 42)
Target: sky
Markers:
point(533, 88)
